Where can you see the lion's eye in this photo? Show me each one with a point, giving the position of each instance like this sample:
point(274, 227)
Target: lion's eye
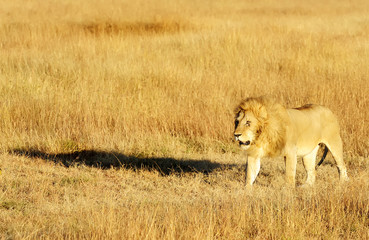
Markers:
point(248, 123)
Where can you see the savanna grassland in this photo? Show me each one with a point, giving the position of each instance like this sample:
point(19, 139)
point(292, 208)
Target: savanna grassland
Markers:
point(116, 117)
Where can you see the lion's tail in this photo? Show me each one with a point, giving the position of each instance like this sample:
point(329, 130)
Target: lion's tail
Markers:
point(323, 157)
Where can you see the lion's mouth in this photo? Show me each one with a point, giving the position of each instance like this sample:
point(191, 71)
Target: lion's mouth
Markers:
point(245, 143)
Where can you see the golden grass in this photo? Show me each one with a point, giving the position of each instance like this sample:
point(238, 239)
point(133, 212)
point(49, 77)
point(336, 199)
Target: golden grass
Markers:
point(149, 88)
point(45, 201)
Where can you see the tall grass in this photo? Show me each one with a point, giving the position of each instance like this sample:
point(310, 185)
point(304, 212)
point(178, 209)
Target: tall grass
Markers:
point(160, 79)
point(113, 79)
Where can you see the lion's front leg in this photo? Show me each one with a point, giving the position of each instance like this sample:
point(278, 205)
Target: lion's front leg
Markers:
point(291, 161)
point(252, 170)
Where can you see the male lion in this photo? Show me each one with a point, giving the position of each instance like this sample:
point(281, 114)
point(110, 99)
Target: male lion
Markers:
point(266, 129)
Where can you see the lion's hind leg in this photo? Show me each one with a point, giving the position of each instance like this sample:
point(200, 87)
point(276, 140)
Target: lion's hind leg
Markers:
point(309, 164)
point(335, 147)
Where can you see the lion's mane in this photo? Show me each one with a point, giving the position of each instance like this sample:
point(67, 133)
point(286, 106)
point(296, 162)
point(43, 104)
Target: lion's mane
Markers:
point(272, 119)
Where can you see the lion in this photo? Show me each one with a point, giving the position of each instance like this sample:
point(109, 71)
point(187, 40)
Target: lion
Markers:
point(264, 128)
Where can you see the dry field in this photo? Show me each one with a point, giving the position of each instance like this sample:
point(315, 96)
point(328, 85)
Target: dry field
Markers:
point(116, 117)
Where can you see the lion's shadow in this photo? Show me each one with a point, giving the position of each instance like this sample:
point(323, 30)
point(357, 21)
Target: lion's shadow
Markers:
point(111, 159)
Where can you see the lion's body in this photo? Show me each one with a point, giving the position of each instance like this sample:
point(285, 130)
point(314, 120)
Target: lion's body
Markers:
point(267, 129)
point(310, 126)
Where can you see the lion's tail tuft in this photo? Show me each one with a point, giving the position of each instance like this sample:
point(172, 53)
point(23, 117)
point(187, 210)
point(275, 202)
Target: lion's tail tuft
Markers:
point(323, 157)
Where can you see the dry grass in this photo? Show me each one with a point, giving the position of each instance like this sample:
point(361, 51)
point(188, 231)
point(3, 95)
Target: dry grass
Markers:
point(149, 88)
point(207, 200)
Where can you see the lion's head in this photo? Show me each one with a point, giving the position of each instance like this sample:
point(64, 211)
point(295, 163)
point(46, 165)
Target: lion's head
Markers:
point(260, 126)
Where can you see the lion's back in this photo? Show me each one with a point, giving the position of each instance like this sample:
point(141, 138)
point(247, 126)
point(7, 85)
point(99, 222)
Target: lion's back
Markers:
point(315, 118)
point(318, 113)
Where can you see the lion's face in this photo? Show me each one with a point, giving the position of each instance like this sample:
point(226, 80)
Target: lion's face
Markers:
point(246, 127)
